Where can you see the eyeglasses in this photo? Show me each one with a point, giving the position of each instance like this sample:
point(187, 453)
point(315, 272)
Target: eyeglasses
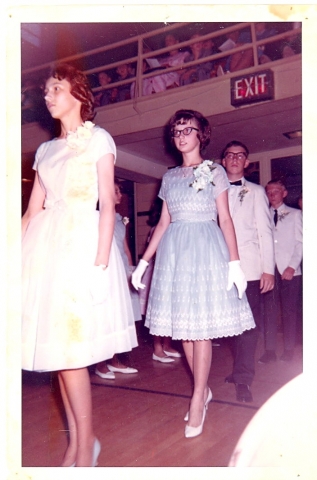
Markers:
point(185, 131)
point(238, 155)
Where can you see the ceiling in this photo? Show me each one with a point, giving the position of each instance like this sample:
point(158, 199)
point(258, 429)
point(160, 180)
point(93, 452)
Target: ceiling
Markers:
point(260, 127)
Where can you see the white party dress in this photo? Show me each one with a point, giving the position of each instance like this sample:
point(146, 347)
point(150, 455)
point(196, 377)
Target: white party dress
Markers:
point(119, 235)
point(62, 325)
point(188, 297)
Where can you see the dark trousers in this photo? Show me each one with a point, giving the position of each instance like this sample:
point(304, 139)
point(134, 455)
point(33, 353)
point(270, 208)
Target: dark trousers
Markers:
point(244, 345)
point(284, 299)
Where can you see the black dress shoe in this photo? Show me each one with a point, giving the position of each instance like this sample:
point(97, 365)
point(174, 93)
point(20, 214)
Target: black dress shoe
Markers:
point(287, 356)
point(243, 393)
point(269, 356)
point(229, 379)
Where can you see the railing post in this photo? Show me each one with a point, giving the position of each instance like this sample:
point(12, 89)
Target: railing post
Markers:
point(139, 79)
point(254, 46)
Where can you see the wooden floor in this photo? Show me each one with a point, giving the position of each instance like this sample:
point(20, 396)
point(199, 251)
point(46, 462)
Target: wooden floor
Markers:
point(139, 418)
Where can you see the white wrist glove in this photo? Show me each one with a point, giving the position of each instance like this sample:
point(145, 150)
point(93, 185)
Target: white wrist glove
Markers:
point(138, 274)
point(99, 284)
point(237, 277)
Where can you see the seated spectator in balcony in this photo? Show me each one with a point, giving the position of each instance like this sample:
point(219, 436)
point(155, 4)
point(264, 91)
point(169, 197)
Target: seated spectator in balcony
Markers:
point(222, 64)
point(292, 45)
point(266, 53)
point(172, 59)
point(210, 49)
point(150, 85)
point(32, 101)
point(123, 91)
point(199, 72)
point(105, 97)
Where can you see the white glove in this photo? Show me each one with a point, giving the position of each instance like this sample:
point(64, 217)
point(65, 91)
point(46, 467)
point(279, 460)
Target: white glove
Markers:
point(237, 277)
point(99, 284)
point(138, 274)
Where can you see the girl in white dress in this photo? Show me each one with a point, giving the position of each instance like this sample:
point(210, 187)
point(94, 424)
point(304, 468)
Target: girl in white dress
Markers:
point(192, 296)
point(74, 294)
point(111, 367)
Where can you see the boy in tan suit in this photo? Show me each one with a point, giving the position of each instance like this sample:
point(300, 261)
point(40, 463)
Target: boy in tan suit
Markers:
point(249, 210)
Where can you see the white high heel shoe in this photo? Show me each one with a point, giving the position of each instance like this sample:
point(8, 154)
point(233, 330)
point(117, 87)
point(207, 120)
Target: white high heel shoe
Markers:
point(191, 432)
point(96, 451)
point(208, 399)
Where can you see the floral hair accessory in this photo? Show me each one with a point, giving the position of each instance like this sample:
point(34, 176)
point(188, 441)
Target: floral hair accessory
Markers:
point(79, 139)
point(282, 215)
point(125, 220)
point(203, 174)
point(242, 193)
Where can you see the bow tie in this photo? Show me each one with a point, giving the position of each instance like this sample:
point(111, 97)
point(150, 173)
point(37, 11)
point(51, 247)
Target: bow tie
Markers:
point(237, 183)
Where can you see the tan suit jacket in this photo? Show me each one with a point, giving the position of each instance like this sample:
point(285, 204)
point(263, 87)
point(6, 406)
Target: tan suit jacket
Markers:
point(250, 213)
point(288, 238)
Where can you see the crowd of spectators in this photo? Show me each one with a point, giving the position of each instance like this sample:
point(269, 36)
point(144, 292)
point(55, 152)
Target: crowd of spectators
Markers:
point(33, 105)
point(201, 49)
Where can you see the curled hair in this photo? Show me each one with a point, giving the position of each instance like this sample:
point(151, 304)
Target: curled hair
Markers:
point(183, 116)
point(79, 87)
point(234, 143)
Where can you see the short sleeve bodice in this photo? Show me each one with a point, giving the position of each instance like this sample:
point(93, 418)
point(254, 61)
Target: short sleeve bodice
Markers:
point(184, 202)
point(69, 175)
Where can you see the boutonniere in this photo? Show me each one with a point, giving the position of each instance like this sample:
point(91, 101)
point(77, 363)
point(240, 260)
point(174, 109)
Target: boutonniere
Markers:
point(79, 139)
point(125, 220)
point(203, 174)
point(243, 193)
point(282, 215)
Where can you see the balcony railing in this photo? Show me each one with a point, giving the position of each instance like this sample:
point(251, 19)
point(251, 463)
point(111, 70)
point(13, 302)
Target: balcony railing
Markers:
point(285, 35)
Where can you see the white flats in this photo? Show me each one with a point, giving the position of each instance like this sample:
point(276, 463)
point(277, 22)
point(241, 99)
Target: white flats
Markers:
point(162, 359)
point(173, 354)
point(208, 400)
point(191, 432)
point(108, 375)
point(122, 370)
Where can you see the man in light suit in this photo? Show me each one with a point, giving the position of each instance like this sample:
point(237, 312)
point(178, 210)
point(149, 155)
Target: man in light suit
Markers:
point(288, 247)
point(249, 210)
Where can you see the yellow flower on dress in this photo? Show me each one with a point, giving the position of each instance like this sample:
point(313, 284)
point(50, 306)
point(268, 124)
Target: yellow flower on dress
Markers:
point(79, 139)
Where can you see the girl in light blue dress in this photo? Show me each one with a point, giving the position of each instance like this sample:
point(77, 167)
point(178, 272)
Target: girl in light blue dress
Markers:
point(192, 296)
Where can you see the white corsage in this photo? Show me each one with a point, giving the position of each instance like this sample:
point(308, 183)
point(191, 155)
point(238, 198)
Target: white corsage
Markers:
point(282, 215)
point(242, 193)
point(203, 174)
point(79, 139)
point(125, 220)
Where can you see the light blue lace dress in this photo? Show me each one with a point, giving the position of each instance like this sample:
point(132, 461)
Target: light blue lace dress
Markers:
point(188, 298)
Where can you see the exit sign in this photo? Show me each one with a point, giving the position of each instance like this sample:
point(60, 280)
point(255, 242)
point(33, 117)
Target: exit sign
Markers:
point(251, 88)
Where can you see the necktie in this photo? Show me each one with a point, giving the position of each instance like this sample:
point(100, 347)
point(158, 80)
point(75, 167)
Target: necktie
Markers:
point(237, 183)
point(275, 218)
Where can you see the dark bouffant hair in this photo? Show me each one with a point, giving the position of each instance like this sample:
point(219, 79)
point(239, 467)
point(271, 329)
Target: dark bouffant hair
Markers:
point(183, 116)
point(234, 143)
point(80, 88)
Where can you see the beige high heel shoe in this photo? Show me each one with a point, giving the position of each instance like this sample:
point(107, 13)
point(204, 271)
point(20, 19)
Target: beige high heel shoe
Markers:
point(208, 399)
point(191, 432)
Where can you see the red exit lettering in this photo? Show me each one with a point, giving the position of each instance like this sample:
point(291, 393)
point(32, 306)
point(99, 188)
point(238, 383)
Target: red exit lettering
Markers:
point(252, 88)
point(248, 87)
